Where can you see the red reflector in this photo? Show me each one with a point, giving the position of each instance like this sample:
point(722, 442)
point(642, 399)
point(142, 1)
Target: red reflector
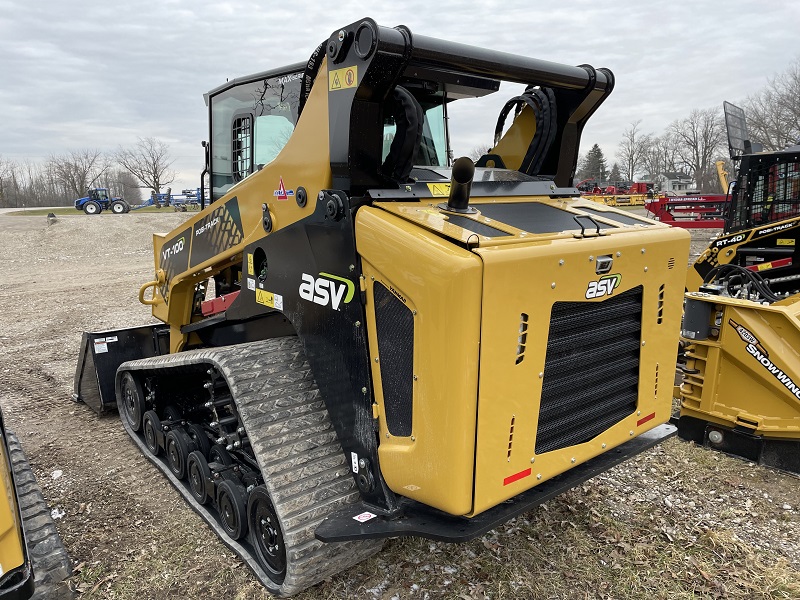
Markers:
point(516, 477)
point(644, 420)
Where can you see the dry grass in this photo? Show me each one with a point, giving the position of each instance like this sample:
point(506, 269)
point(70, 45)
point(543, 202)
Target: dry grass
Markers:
point(677, 522)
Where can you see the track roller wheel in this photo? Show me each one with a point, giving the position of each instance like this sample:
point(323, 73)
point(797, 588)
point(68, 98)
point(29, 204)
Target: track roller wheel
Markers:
point(177, 445)
point(266, 536)
point(151, 426)
point(132, 401)
point(199, 437)
point(232, 508)
point(219, 454)
point(199, 474)
point(173, 413)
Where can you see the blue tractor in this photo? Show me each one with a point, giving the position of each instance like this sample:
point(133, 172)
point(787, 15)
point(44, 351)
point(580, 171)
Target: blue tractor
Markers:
point(97, 200)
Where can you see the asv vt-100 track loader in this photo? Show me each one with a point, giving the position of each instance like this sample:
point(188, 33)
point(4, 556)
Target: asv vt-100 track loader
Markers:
point(394, 346)
point(741, 388)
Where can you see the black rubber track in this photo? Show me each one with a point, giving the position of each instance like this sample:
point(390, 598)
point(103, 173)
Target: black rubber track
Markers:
point(51, 563)
point(296, 447)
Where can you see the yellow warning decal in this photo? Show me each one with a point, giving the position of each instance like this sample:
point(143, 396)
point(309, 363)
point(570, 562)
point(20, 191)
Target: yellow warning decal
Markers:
point(342, 79)
point(785, 242)
point(764, 266)
point(269, 299)
point(439, 189)
point(250, 270)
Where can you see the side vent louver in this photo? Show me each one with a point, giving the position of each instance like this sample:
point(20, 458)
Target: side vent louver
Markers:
point(655, 391)
point(660, 317)
point(522, 338)
point(671, 263)
point(511, 437)
point(395, 328)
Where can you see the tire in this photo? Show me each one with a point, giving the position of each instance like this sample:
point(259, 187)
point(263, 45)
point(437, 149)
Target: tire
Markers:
point(199, 473)
point(118, 207)
point(266, 535)
point(172, 413)
point(92, 208)
point(199, 439)
point(232, 508)
point(130, 402)
point(219, 454)
point(177, 448)
point(151, 429)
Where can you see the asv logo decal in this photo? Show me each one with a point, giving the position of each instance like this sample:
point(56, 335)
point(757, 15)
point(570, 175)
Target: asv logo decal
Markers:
point(327, 290)
point(605, 286)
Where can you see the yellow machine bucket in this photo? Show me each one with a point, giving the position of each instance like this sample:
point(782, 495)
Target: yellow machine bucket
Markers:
point(741, 389)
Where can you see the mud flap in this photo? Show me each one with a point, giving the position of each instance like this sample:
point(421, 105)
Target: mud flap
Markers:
point(103, 351)
point(781, 454)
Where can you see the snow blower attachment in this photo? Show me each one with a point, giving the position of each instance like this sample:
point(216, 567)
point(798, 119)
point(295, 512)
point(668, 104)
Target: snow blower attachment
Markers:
point(740, 334)
point(362, 341)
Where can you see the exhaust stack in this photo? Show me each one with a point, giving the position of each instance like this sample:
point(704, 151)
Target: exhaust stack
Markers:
point(460, 186)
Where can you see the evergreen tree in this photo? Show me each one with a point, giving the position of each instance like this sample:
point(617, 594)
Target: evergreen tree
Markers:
point(594, 164)
point(615, 175)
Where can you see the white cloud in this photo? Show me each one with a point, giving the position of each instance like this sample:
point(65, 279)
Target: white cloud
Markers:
point(98, 74)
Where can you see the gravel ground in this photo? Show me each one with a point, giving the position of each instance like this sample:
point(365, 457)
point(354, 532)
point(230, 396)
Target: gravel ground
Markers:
point(676, 522)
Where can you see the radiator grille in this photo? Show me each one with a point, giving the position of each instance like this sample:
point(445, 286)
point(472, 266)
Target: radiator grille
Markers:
point(591, 373)
point(395, 329)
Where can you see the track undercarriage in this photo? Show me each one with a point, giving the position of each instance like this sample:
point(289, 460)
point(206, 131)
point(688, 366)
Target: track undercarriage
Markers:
point(244, 436)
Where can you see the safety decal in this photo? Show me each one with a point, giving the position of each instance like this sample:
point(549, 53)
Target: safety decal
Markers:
point(327, 290)
point(785, 242)
point(269, 299)
point(439, 189)
point(354, 462)
point(101, 344)
point(757, 351)
point(604, 286)
point(364, 517)
point(251, 284)
point(282, 193)
point(343, 79)
point(250, 269)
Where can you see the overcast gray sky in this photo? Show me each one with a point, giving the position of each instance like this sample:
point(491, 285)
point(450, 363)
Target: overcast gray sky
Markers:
point(97, 74)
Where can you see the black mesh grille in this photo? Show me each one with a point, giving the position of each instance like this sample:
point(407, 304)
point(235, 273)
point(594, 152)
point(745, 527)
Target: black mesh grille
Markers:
point(395, 328)
point(591, 372)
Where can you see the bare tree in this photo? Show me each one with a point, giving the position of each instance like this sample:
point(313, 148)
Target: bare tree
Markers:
point(5, 172)
point(660, 155)
point(479, 151)
point(77, 170)
point(632, 148)
point(698, 138)
point(120, 183)
point(149, 162)
point(773, 114)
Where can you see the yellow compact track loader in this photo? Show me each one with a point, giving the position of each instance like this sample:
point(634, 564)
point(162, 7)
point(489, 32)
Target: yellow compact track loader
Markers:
point(33, 561)
point(363, 339)
point(741, 334)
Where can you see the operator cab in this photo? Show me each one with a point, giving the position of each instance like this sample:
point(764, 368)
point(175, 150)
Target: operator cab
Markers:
point(253, 117)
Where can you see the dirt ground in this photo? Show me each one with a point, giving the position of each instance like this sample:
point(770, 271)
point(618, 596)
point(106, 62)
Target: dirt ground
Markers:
point(676, 522)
